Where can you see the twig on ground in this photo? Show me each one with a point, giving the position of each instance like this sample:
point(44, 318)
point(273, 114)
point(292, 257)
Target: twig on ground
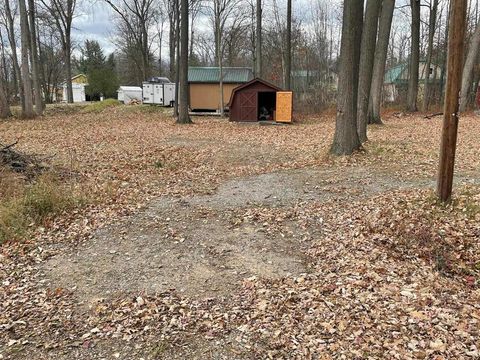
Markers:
point(433, 115)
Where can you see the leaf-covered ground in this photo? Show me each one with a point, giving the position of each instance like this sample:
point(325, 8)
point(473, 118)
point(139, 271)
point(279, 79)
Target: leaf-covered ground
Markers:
point(386, 271)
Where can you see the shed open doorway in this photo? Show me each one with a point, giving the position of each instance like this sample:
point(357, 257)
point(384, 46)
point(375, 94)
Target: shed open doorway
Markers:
point(267, 103)
point(258, 100)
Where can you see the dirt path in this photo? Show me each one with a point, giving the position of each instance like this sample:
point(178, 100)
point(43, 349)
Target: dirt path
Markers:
point(190, 245)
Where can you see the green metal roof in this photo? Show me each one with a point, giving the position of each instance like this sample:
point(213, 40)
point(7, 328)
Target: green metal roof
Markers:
point(212, 75)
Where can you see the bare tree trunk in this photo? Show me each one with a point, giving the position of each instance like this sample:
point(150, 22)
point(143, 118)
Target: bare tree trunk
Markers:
point(258, 41)
point(68, 65)
point(183, 117)
point(27, 84)
point(145, 55)
point(4, 106)
point(456, 40)
point(369, 41)
point(13, 49)
point(172, 39)
point(414, 57)
point(62, 12)
point(346, 139)
point(177, 57)
point(467, 77)
point(288, 60)
point(192, 39)
point(220, 69)
point(444, 65)
point(160, 53)
point(4, 90)
point(431, 38)
point(385, 26)
point(39, 106)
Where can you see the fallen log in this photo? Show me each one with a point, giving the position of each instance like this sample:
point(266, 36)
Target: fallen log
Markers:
point(431, 116)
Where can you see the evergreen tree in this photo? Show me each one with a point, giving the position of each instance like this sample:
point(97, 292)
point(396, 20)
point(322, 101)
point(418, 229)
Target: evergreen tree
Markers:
point(100, 71)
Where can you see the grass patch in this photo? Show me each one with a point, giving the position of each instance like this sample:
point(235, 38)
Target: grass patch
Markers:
point(100, 106)
point(34, 205)
point(63, 109)
point(377, 149)
point(147, 109)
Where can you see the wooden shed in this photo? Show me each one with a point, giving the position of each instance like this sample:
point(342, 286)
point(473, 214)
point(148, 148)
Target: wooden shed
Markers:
point(204, 86)
point(259, 100)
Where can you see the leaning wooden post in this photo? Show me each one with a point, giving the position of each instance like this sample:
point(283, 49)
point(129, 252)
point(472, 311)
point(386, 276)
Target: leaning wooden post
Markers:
point(456, 40)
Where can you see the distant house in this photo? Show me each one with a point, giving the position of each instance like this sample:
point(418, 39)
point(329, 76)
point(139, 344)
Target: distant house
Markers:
point(395, 83)
point(304, 80)
point(79, 82)
point(204, 86)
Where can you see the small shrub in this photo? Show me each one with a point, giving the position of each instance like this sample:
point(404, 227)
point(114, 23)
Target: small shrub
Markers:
point(11, 184)
point(38, 202)
point(45, 198)
point(13, 223)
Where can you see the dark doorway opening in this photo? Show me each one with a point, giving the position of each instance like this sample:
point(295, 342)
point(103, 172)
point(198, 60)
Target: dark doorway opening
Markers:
point(267, 103)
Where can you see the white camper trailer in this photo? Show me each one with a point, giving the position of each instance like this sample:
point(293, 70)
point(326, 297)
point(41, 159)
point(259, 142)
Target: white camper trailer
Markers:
point(127, 94)
point(159, 91)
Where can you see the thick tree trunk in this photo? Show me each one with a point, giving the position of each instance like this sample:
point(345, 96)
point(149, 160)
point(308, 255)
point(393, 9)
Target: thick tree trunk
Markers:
point(431, 38)
point(13, 49)
point(258, 41)
point(380, 61)
point(467, 77)
point(39, 105)
point(456, 40)
point(27, 84)
point(369, 41)
point(414, 57)
point(183, 117)
point(346, 139)
point(288, 40)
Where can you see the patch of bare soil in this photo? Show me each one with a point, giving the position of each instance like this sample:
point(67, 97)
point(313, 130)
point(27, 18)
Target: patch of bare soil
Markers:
point(175, 245)
point(190, 244)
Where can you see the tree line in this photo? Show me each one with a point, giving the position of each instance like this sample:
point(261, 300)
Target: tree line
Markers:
point(296, 45)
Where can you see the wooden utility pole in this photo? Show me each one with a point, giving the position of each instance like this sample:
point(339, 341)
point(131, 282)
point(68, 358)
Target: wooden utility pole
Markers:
point(456, 40)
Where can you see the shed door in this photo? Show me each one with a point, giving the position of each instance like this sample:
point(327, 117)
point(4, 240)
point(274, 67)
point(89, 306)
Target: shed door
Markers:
point(248, 106)
point(284, 106)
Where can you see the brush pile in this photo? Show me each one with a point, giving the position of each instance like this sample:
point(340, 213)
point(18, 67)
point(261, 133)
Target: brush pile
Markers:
point(14, 160)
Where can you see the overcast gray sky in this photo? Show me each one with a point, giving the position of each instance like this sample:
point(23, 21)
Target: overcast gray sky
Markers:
point(95, 22)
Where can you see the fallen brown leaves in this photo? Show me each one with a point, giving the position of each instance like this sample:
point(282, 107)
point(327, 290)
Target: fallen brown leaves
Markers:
point(393, 276)
point(377, 289)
